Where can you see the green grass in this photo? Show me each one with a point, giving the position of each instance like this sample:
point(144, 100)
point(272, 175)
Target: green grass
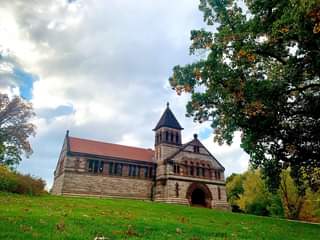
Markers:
point(52, 217)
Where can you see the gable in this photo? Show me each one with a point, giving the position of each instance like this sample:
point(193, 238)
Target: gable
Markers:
point(187, 153)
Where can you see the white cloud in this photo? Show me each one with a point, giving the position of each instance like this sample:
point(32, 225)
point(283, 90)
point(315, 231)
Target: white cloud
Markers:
point(232, 157)
point(109, 61)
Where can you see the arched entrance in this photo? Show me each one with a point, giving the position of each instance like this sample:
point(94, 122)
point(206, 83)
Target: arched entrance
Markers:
point(199, 194)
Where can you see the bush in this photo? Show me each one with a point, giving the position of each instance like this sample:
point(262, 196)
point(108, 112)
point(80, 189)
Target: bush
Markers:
point(18, 183)
point(8, 181)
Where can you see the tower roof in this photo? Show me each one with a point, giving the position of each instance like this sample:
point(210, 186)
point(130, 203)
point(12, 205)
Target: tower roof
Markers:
point(168, 120)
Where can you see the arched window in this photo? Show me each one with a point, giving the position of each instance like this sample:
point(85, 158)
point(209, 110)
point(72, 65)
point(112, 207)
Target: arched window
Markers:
point(171, 137)
point(167, 136)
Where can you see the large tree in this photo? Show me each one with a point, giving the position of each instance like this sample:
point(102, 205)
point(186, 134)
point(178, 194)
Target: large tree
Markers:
point(259, 74)
point(15, 129)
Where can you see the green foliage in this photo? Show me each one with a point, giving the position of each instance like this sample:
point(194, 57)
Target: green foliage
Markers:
point(53, 217)
point(255, 198)
point(260, 76)
point(275, 207)
point(8, 181)
point(18, 183)
point(234, 188)
point(248, 192)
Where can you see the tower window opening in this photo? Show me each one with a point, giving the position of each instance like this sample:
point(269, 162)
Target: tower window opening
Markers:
point(167, 136)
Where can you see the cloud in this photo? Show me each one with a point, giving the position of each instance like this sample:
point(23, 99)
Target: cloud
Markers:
point(99, 69)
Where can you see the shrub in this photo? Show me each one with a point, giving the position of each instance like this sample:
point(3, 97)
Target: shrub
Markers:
point(8, 180)
point(19, 183)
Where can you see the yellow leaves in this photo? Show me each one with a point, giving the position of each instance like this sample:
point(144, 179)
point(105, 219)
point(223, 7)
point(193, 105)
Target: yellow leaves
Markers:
point(209, 45)
point(254, 108)
point(183, 88)
point(254, 190)
point(242, 53)
point(316, 28)
point(249, 56)
point(179, 89)
point(284, 30)
point(315, 17)
point(197, 73)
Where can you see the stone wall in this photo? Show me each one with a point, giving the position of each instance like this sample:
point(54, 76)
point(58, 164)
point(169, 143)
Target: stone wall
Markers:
point(90, 184)
point(168, 193)
point(57, 185)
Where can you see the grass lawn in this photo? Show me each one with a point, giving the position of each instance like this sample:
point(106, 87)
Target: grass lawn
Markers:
point(52, 217)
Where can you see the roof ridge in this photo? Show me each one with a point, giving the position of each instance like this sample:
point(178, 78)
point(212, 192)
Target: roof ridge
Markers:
point(168, 119)
point(115, 144)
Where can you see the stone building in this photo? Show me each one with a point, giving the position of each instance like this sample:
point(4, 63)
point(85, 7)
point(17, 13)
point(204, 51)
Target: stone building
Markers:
point(173, 172)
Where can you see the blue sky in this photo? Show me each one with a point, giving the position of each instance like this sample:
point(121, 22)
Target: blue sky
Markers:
point(24, 82)
point(100, 69)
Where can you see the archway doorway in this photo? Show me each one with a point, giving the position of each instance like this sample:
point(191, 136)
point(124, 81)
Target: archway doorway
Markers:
point(199, 194)
point(198, 198)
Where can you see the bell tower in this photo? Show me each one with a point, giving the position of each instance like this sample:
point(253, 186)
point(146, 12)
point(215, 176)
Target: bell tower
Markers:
point(167, 136)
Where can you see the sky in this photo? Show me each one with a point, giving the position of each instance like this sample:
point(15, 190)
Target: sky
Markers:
point(100, 69)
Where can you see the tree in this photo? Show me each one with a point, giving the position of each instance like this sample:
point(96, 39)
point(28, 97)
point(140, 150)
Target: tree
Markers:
point(15, 129)
point(292, 200)
point(234, 188)
point(260, 75)
point(255, 198)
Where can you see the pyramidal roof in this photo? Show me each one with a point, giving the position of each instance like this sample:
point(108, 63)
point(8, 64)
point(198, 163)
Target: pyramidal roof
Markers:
point(168, 120)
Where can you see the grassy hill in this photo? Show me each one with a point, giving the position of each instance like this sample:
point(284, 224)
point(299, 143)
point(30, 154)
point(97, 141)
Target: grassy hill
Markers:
point(52, 217)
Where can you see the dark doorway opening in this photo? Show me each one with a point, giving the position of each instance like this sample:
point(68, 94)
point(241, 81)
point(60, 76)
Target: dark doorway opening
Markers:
point(198, 198)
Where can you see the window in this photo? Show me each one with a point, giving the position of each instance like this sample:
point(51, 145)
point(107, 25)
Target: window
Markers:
point(191, 170)
point(151, 172)
point(171, 136)
point(219, 193)
point(145, 172)
point(177, 138)
point(167, 136)
point(202, 172)
point(196, 149)
point(118, 169)
point(130, 170)
point(217, 175)
point(110, 168)
point(176, 168)
point(198, 171)
point(138, 171)
point(133, 170)
point(95, 166)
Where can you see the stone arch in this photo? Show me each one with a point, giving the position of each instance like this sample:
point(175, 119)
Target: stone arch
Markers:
point(199, 194)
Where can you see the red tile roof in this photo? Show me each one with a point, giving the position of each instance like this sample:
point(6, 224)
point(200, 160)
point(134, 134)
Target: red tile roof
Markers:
point(104, 149)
